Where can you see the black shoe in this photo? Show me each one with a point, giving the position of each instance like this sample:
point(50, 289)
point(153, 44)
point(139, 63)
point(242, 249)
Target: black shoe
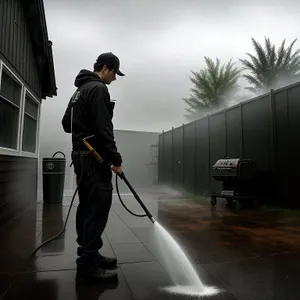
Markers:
point(106, 262)
point(97, 274)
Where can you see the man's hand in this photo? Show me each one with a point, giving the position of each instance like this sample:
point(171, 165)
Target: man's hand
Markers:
point(117, 170)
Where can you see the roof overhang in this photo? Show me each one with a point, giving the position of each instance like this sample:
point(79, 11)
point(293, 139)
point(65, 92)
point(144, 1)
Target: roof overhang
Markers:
point(42, 47)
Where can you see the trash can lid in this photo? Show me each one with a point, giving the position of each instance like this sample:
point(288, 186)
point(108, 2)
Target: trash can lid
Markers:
point(53, 158)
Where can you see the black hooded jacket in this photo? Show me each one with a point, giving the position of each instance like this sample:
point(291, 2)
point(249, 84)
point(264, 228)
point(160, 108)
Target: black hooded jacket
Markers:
point(92, 115)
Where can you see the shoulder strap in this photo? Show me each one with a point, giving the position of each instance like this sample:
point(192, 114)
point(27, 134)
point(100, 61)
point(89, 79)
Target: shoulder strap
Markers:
point(74, 100)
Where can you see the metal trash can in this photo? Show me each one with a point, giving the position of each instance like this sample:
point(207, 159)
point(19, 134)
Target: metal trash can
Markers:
point(54, 171)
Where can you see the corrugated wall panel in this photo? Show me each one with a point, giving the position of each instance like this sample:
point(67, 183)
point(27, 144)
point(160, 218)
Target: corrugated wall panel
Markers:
point(189, 151)
point(257, 140)
point(234, 132)
point(15, 43)
point(282, 146)
point(293, 146)
point(168, 159)
point(160, 158)
point(178, 157)
point(217, 145)
point(202, 157)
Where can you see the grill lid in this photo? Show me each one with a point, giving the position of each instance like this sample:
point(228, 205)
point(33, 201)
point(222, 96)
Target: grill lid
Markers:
point(226, 163)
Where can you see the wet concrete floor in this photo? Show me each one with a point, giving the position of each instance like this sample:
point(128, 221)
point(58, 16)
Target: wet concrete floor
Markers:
point(246, 254)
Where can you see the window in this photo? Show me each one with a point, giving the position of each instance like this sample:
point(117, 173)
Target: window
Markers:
point(19, 116)
point(30, 124)
point(10, 102)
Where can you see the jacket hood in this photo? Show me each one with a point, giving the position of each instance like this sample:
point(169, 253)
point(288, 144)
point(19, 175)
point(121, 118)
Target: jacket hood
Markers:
point(85, 76)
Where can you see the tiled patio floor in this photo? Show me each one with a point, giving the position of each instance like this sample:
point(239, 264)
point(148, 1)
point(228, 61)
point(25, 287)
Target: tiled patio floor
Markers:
point(247, 254)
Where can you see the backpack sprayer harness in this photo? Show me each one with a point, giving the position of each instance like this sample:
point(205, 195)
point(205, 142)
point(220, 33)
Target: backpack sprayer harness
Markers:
point(85, 171)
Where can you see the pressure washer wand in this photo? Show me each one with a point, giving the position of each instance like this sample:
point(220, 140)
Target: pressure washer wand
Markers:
point(122, 176)
point(136, 196)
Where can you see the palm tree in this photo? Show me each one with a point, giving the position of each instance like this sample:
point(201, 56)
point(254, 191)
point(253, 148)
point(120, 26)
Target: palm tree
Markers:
point(213, 85)
point(270, 69)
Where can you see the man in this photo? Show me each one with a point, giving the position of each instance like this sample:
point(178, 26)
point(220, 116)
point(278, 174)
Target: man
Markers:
point(90, 113)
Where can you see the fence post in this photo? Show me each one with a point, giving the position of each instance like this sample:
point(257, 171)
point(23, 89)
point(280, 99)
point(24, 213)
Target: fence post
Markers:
point(208, 142)
point(159, 159)
point(195, 158)
point(272, 127)
point(172, 154)
point(163, 171)
point(225, 120)
point(273, 152)
point(288, 143)
point(242, 131)
point(182, 158)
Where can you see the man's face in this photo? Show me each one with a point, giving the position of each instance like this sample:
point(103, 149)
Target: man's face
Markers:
point(108, 75)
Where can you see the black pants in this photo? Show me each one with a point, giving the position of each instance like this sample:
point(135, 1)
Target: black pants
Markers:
point(95, 198)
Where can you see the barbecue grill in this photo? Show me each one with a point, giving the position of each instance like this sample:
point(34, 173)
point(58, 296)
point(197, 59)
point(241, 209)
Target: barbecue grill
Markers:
point(238, 177)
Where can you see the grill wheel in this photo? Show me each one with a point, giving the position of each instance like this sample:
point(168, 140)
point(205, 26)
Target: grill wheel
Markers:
point(213, 201)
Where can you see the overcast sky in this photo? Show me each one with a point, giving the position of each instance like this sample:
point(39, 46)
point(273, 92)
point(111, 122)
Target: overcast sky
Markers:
point(158, 42)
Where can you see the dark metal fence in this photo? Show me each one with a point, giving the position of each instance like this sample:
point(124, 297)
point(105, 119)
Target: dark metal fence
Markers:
point(266, 128)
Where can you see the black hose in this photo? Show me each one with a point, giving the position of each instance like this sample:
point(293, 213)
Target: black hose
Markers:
point(118, 192)
point(65, 223)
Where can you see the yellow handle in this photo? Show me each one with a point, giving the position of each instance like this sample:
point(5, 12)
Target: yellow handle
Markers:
point(93, 151)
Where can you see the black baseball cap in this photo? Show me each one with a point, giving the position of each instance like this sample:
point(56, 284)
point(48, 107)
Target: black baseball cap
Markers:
point(109, 59)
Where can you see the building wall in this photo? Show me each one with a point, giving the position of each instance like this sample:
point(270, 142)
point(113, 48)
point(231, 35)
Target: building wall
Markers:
point(18, 185)
point(20, 101)
point(15, 43)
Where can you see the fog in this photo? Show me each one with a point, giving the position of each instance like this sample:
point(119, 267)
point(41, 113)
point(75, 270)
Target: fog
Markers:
point(158, 42)
point(138, 154)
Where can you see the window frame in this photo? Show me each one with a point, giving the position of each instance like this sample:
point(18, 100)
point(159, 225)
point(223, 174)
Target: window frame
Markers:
point(33, 98)
point(24, 91)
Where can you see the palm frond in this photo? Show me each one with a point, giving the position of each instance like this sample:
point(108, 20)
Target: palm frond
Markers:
point(280, 54)
point(268, 68)
point(260, 53)
point(212, 85)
